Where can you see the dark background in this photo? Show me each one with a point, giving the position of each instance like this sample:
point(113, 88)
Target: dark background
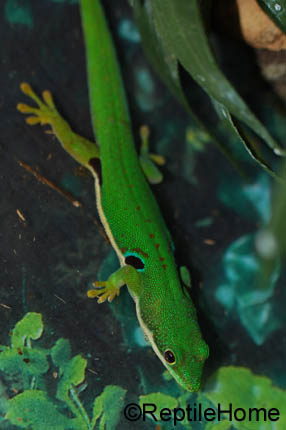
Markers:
point(48, 261)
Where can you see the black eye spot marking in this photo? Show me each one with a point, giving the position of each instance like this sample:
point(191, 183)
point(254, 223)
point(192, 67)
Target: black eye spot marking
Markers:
point(96, 167)
point(135, 261)
point(169, 357)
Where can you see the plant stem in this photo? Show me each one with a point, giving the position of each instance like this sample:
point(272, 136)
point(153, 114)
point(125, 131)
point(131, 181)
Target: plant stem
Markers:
point(80, 407)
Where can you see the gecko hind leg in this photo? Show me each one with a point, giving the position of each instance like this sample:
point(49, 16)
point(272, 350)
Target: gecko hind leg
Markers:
point(149, 160)
point(81, 149)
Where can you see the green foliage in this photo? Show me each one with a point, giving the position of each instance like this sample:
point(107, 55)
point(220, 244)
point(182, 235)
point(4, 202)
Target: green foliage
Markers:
point(30, 327)
point(61, 353)
point(165, 63)
point(161, 401)
point(185, 276)
point(241, 293)
point(222, 425)
point(108, 405)
point(277, 225)
point(235, 385)
point(185, 41)
point(33, 408)
point(26, 361)
point(21, 358)
point(73, 375)
point(239, 386)
point(252, 199)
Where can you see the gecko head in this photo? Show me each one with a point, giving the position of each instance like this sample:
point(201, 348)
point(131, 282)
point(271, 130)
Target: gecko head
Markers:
point(185, 363)
point(182, 353)
point(171, 327)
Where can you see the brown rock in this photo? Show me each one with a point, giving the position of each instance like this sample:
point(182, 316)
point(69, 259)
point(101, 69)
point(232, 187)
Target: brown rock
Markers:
point(273, 68)
point(257, 29)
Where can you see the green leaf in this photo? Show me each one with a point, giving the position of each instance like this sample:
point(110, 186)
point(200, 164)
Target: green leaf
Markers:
point(74, 374)
point(161, 401)
point(33, 409)
point(4, 348)
point(151, 171)
point(186, 39)
point(277, 223)
point(227, 120)
point(276, 10)
point(222, 425)
point(109, 404)
point(26, 361)
point(185, 276)
point(29, 327)
point(61, 353)
point(242, 293)
point(165, 64)
point(252, 198)
point(240, 387)
point(102, 423)
point(97, 410)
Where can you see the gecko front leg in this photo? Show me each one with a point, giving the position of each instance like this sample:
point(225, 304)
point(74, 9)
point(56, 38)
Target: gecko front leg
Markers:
point(126, 275)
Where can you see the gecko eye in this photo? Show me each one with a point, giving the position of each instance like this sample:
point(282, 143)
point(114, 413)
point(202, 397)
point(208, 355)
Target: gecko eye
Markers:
point(169, 357)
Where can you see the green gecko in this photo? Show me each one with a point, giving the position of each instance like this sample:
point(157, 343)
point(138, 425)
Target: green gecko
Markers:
point(127, 208)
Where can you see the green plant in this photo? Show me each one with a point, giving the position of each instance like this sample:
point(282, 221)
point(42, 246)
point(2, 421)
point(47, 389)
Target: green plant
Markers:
point(230, 384)
point(185, 44)
point(240, 387)
point(33, 408)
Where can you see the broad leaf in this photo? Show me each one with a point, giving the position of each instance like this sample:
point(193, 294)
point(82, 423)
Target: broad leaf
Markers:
point(160, 400)
point(25, 361)
point(34, 410)
point(108, 405)
point(247, 391)
point(61, 353)
point(186, 39)
point(166, 66)
point(29, 327)
point(74, 374)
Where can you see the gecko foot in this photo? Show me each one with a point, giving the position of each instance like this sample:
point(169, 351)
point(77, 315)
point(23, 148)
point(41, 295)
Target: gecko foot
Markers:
point(104, 290)
point(148, 160)
point(46, 111)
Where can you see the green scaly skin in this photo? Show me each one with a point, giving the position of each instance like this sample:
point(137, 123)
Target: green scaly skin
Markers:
point(128, 209)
